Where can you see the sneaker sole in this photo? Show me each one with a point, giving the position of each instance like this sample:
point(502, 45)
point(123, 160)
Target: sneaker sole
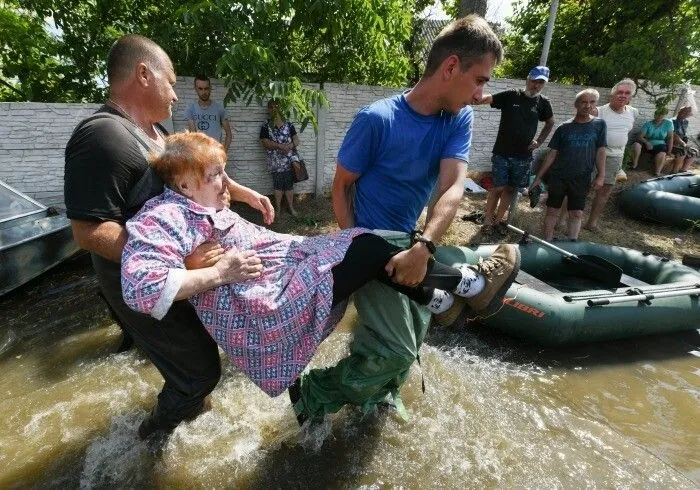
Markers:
point(495, 303)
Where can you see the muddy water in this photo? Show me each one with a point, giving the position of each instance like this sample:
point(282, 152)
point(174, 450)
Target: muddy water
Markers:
point(496, 413)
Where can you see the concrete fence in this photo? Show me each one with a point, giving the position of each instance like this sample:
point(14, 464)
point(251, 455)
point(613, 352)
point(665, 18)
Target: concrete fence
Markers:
point(33, 135)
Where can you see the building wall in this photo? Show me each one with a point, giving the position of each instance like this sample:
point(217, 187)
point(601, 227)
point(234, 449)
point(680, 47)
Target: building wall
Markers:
point(33, 135)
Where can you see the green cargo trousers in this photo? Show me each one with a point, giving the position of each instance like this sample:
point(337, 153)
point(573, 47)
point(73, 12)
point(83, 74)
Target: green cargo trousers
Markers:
point(386, 343)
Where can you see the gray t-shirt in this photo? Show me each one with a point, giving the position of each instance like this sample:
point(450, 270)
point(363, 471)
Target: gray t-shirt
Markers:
point(577, 144)
point(208, 120)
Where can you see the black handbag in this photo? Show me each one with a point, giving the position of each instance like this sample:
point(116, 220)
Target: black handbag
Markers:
point(299, 169)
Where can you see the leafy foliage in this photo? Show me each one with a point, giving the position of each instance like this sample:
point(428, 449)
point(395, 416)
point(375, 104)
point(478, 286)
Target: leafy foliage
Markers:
point(598, 42)
point(261, 48)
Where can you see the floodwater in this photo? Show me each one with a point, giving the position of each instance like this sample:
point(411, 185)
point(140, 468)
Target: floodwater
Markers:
point(496, 413)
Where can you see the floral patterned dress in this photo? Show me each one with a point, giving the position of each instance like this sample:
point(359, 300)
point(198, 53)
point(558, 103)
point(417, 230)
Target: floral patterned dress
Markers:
point(270, 327)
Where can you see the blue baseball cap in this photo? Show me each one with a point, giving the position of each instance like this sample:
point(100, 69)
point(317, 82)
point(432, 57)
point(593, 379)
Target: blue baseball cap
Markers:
point(539, 73)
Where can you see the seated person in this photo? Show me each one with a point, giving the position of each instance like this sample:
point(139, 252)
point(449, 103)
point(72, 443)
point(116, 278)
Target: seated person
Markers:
point(280, 302)
point(684, 154)
point(656, 138)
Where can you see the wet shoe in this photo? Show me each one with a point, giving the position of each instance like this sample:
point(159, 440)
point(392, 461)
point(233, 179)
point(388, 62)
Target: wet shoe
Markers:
point(499, 271)
point(153, 424)
point(456, 315)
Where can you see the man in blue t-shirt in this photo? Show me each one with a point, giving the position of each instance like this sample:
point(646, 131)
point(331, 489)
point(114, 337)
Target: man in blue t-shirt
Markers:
point(401, 154)
point(577, 147)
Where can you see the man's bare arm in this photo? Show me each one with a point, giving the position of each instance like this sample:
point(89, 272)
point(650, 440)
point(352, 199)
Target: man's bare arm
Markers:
point(228, 135)
point(104, 238)
point(485, 99)
point(340, 196)
point(410, 266)
point(548, 161)
point(450, 190)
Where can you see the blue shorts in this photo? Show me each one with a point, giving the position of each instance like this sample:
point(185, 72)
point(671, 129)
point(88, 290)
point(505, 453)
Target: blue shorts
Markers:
point(510, 171)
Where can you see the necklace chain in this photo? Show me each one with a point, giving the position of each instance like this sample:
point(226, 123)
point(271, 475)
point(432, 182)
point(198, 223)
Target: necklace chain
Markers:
point(156, 142)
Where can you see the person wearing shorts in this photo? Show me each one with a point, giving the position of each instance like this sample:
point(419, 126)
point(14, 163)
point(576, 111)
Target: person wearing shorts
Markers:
point(576, 149)
point(521, 112)
point(619, 118)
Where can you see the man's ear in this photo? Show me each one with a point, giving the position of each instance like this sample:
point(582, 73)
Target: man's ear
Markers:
point(450, 66)
point(142, 74)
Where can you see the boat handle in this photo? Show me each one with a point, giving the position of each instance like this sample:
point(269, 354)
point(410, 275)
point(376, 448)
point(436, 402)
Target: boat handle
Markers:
point(643, 297)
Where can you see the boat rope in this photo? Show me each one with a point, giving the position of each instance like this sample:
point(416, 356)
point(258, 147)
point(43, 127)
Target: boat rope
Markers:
point(518, 287)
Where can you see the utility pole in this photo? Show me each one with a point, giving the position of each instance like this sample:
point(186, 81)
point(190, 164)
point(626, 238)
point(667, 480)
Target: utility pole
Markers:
point(548, 33)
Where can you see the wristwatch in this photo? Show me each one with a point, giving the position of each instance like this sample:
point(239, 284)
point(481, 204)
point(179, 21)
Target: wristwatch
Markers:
point(428, 243)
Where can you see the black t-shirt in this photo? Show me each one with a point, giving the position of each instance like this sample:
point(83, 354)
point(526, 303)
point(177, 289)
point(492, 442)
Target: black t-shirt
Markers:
point(519, 117)
point(104, 161)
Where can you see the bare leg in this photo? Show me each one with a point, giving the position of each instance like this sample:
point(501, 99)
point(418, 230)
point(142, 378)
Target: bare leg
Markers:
point(659, 162)
point(491, 201)
point(550, 221)
point(290, 201)
point(278, 201)
point(575, 218)
point(601, 198)
point(687, 163)
point(678, 164)
point(563, 214)
point(636, 152)
point(504, 203)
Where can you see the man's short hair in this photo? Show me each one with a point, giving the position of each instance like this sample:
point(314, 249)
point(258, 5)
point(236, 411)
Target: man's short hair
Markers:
point(202, 78)
point(624, 81)
point(469, 38)
point(587, 91)
point(128, 51)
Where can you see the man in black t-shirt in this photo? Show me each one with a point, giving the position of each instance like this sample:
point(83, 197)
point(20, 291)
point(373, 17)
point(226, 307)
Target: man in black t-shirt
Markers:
point(107, 179)
point(521, 111)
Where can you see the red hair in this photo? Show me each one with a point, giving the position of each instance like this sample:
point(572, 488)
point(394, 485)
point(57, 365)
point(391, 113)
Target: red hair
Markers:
point(186, 153)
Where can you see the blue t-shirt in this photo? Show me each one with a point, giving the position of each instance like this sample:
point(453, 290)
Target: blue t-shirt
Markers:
point(397, 153)
point(577, 144)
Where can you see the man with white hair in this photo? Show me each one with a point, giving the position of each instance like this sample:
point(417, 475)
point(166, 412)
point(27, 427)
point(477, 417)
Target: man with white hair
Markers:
point(577, 148)
point(619, 117)
point(521, 111)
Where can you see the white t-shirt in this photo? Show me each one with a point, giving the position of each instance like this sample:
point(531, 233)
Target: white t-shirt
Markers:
point(619, 126)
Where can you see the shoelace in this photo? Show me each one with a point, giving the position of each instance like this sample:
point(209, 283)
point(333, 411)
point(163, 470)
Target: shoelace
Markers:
point(487, 266)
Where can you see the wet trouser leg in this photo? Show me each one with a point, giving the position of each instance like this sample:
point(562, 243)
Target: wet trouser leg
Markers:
point(386, 343)
point(365, 260)
point(178, 345)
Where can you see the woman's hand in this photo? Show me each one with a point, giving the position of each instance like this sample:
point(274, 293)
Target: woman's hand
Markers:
point(205, 255)
point(235, 266)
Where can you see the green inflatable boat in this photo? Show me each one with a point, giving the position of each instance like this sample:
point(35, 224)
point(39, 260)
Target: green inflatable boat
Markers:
point(553, 303)
point(673, 200)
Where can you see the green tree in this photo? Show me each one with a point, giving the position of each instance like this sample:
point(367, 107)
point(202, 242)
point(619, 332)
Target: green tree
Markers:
point(260, 48)
point(598, 42)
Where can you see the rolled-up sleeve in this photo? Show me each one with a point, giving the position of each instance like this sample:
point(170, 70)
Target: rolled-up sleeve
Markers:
point(153, 266)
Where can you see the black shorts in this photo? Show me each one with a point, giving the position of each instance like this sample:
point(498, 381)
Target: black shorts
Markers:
point(283, 181)
point(574, 188)
point(656, 149)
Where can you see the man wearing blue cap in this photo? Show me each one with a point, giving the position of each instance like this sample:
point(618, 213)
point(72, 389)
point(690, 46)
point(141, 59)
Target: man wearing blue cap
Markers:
point(521, 111)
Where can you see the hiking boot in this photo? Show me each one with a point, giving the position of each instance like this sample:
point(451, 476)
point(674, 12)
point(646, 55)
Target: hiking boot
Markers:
point(456, 315)
point(499, 271)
